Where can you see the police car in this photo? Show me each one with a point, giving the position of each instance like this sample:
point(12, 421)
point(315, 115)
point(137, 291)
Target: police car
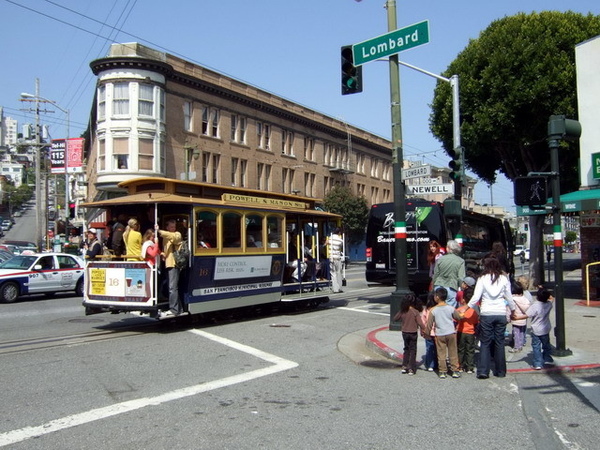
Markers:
point(40, 273)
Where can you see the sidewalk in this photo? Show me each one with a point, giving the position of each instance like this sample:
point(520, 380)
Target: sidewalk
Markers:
point(582, 336)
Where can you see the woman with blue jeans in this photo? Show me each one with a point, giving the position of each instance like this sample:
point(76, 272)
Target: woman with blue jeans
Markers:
point(493, 294)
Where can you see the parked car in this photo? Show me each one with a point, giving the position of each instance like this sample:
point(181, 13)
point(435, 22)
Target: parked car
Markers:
point(6, 225)
point(21, 245)
point(525, 255)
point(5, 255)
point(40, 273)
point(519, 249)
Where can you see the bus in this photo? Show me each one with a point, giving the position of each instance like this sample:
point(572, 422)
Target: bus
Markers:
point(247, 247)
point(425, 222)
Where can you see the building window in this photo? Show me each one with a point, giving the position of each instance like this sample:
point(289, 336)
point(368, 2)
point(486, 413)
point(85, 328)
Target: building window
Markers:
point(238, 129)
point(187, 116)
point(374, 195)
point(287, 180)
point(309, 148)
point(146, 156)
point(101, 154)
point(121, 99)
point(374, 168)
point(210, 122)
point(263, 135)
point(309, 184)
point(162, 104)
point(205, 163)
point(243, 173)
point(287, 143)
point(264, 176)
point(146, 100)
point(360, 163)
point(120, 153)
point(102, 102)
point(216, 160)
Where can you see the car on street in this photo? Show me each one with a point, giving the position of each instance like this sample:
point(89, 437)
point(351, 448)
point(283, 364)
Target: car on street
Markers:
point(6, 225)
point(20, 246)
point(525, 255)
point(5, 255)
point(519, 249)
point(40, 273)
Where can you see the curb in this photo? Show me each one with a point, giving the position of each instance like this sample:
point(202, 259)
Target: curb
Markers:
point(379, 347)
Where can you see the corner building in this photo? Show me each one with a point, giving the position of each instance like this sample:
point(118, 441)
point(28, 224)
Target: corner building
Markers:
point(158, 115)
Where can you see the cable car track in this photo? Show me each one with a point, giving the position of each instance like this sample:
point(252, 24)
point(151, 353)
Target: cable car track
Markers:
point(49, 342)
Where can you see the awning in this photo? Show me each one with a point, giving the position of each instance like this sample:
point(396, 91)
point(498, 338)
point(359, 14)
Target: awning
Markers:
point(577, 201)
point(580, 201)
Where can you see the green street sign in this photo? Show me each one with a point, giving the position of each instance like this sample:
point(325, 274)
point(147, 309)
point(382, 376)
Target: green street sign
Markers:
point(390, 43)
point(596, 165)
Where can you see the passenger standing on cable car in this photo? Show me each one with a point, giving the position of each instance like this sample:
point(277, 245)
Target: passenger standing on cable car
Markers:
point(92, 246)
point(172, 241)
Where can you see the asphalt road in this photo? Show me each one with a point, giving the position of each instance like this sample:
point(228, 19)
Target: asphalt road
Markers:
point(284, 380)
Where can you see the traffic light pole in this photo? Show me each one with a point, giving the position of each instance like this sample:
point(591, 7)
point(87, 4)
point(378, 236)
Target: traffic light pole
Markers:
point(559, 330)
point(559, 128)
point(399, 195)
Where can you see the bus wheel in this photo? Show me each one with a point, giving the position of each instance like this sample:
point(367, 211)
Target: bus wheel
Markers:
point(9, 292)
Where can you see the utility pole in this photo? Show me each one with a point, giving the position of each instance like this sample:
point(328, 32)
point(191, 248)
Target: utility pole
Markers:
point(399, 195)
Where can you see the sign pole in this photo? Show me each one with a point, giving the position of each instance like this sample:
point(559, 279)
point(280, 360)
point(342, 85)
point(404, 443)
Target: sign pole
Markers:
point(399, 197)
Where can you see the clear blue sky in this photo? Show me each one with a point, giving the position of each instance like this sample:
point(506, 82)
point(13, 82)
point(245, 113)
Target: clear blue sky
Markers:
point(290, 48)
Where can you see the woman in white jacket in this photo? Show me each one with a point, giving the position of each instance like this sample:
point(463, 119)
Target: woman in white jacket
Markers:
point(493, 294)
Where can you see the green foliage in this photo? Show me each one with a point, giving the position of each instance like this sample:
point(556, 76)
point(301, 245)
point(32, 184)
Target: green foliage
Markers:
point(513, 77)
point(570, 237)
point(352, 208)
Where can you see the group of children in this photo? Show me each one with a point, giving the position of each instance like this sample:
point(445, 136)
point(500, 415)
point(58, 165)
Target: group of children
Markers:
point(451, 334)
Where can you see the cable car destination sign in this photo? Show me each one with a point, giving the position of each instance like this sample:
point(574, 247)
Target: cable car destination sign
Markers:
point(390, 43)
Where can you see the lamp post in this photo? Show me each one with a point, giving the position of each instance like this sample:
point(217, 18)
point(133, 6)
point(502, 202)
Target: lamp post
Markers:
point(39, 99)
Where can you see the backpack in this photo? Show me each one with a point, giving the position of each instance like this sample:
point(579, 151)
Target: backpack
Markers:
point(182, 257)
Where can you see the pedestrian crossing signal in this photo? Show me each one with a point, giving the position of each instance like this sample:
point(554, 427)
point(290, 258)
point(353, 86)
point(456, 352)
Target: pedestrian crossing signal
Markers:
point(531, 191)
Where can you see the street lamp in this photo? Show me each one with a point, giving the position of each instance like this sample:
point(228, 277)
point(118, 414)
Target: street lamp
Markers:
point(39, 99)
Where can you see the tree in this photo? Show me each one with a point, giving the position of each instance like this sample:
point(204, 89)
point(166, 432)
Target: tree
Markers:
point(513, 77)
point(353, 209)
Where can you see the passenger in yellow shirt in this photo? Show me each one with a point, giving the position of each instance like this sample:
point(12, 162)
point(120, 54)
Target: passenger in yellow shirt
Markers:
point(133, 239)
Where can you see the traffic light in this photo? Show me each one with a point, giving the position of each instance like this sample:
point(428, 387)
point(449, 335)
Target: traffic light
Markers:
point(531, 191)
point(561, 128)
point(351, 74)
point(456, 164)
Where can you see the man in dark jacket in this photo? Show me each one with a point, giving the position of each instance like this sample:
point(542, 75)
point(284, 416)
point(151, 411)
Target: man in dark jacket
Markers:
point(118, 245)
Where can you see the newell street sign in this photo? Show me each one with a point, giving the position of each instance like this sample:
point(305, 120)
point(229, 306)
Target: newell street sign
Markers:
point(390, 43)
point(430, 189)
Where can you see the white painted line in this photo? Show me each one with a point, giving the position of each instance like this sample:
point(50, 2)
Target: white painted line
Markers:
point(279, 365)
point(363, 311)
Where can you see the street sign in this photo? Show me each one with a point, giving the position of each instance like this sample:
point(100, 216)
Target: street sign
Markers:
point(596, 165)
point(390, 43)
point(430, 189)
point(416, 172)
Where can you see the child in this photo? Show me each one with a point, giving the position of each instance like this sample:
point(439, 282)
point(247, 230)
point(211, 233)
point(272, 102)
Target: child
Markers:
point(519, 326)
point(441, 319)
point(539, 313)
point(466, 332)
point(430, 350)
point(410, 317)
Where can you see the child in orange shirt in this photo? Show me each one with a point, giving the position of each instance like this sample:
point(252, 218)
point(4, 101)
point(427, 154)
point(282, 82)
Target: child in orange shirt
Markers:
point(466, 333)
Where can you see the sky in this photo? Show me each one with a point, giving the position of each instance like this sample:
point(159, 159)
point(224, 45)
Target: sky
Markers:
point(289, 48)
